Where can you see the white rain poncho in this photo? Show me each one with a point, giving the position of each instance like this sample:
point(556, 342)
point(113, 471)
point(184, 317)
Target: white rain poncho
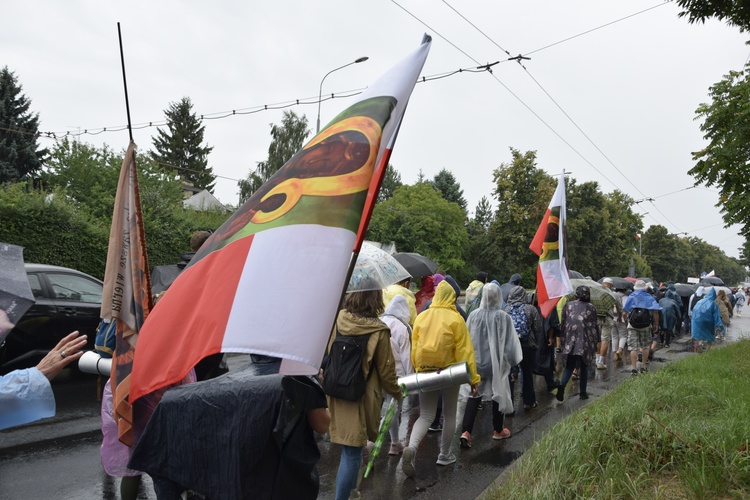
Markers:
point(397, 316)
point(496, 347)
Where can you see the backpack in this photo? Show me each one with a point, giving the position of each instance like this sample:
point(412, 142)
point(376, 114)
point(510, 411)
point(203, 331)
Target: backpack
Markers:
point(343, 376)
point(105, 339)
point(521, 324)
point(640, 317)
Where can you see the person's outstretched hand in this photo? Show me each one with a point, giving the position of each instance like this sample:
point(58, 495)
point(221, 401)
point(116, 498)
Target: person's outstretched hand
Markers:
point(64, 353)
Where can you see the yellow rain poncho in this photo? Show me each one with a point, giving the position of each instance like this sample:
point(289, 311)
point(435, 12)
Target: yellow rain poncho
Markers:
point(411, 300)
point(441, 337)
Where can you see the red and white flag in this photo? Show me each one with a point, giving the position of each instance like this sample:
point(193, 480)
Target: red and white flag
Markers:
point(552, 278)
point(270, 279)
point(127, 289)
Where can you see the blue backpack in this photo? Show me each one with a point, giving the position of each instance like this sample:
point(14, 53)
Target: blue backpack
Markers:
point(521, 324)
point(104, 342)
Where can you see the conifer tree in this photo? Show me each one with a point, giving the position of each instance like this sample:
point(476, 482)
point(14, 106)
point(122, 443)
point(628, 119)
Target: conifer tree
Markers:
point(20, 155)
point(181, 145)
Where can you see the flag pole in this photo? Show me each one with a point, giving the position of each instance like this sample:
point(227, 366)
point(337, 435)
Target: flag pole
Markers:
point(125, 83)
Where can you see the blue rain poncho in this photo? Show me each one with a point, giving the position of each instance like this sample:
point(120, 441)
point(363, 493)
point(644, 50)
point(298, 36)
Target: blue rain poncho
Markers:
point(706, 317)
point(25, 396)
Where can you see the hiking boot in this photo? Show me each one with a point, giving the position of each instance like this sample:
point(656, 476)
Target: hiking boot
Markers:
point(634, 372)
point(584, 395)
point(396, 449)
point(466, 440)
point(504, 434)
point(643, 369)
point(448, 459)
point(560, 393)
point(407, 461)
point(640, 357)
point(601, 366)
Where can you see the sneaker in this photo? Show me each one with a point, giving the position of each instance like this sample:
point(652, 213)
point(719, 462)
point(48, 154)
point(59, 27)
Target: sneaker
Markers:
point(601, 366)
point(640, 357)
point(396, 449)
point(644, 369)
point(666, 346)
point(448, 459)
point(505, 434)
point(407, 462)
point(634, 372)
point(466, 440)
point(560, 393)
point(435, 428)
point(584, 395)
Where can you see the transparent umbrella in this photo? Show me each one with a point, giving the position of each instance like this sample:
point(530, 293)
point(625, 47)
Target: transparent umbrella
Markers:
point(15, 293)
point(375, 269)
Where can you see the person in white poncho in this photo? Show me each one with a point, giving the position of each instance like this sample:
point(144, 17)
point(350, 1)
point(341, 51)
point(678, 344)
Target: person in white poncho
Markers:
point(496, 348)
point(396, 316)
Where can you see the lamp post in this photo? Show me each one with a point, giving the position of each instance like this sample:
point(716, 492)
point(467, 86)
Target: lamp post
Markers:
point(320, 92)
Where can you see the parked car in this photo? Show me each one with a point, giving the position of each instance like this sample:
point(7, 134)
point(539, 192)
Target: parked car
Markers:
point(66, 300)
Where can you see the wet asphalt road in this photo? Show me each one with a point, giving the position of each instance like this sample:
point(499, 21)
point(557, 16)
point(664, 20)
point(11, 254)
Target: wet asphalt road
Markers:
point(58, 458)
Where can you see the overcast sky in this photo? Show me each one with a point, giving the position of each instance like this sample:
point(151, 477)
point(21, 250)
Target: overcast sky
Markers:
point(615, 105)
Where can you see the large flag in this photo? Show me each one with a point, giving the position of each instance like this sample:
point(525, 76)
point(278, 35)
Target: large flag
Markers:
point(127, 289)
point(270, 279)
point(552, 278)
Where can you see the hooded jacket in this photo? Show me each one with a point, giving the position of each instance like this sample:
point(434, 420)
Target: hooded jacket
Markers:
point(411, 299)
point(517, 295)
point(440, 337)
point(505, 288)
point(353, 423)
point(425, 293)
point(396, 316)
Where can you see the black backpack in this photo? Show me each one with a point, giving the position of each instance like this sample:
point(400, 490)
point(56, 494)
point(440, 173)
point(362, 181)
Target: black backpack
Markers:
point(640, 317)
point(343, 377)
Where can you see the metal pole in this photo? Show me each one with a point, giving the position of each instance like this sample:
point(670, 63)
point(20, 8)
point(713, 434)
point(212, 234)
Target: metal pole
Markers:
point(320, 90)
point(125, 83)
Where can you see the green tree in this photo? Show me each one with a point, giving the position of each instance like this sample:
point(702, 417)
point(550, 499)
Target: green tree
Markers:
point(660, 250)
point(288, 138)
point(734, 12)
point(449, 188)
point(181, 145)
point(419, 220)
point(523, 192)
point(478, 246)
point(600, 230)
point(20, 155)
point(391, 181)
point(483, 215)
point(724, 161)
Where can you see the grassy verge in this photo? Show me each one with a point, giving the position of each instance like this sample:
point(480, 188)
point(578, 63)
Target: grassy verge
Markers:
point(680, 432)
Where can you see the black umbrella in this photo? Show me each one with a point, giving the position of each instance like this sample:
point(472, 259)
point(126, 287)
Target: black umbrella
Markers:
point(712, 281)
point(685, 289)
point(620, 283)
point(15, 292)
point(417, 265)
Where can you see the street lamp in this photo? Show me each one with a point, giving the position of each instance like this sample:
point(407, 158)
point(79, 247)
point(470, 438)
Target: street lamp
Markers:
point(320, 92)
